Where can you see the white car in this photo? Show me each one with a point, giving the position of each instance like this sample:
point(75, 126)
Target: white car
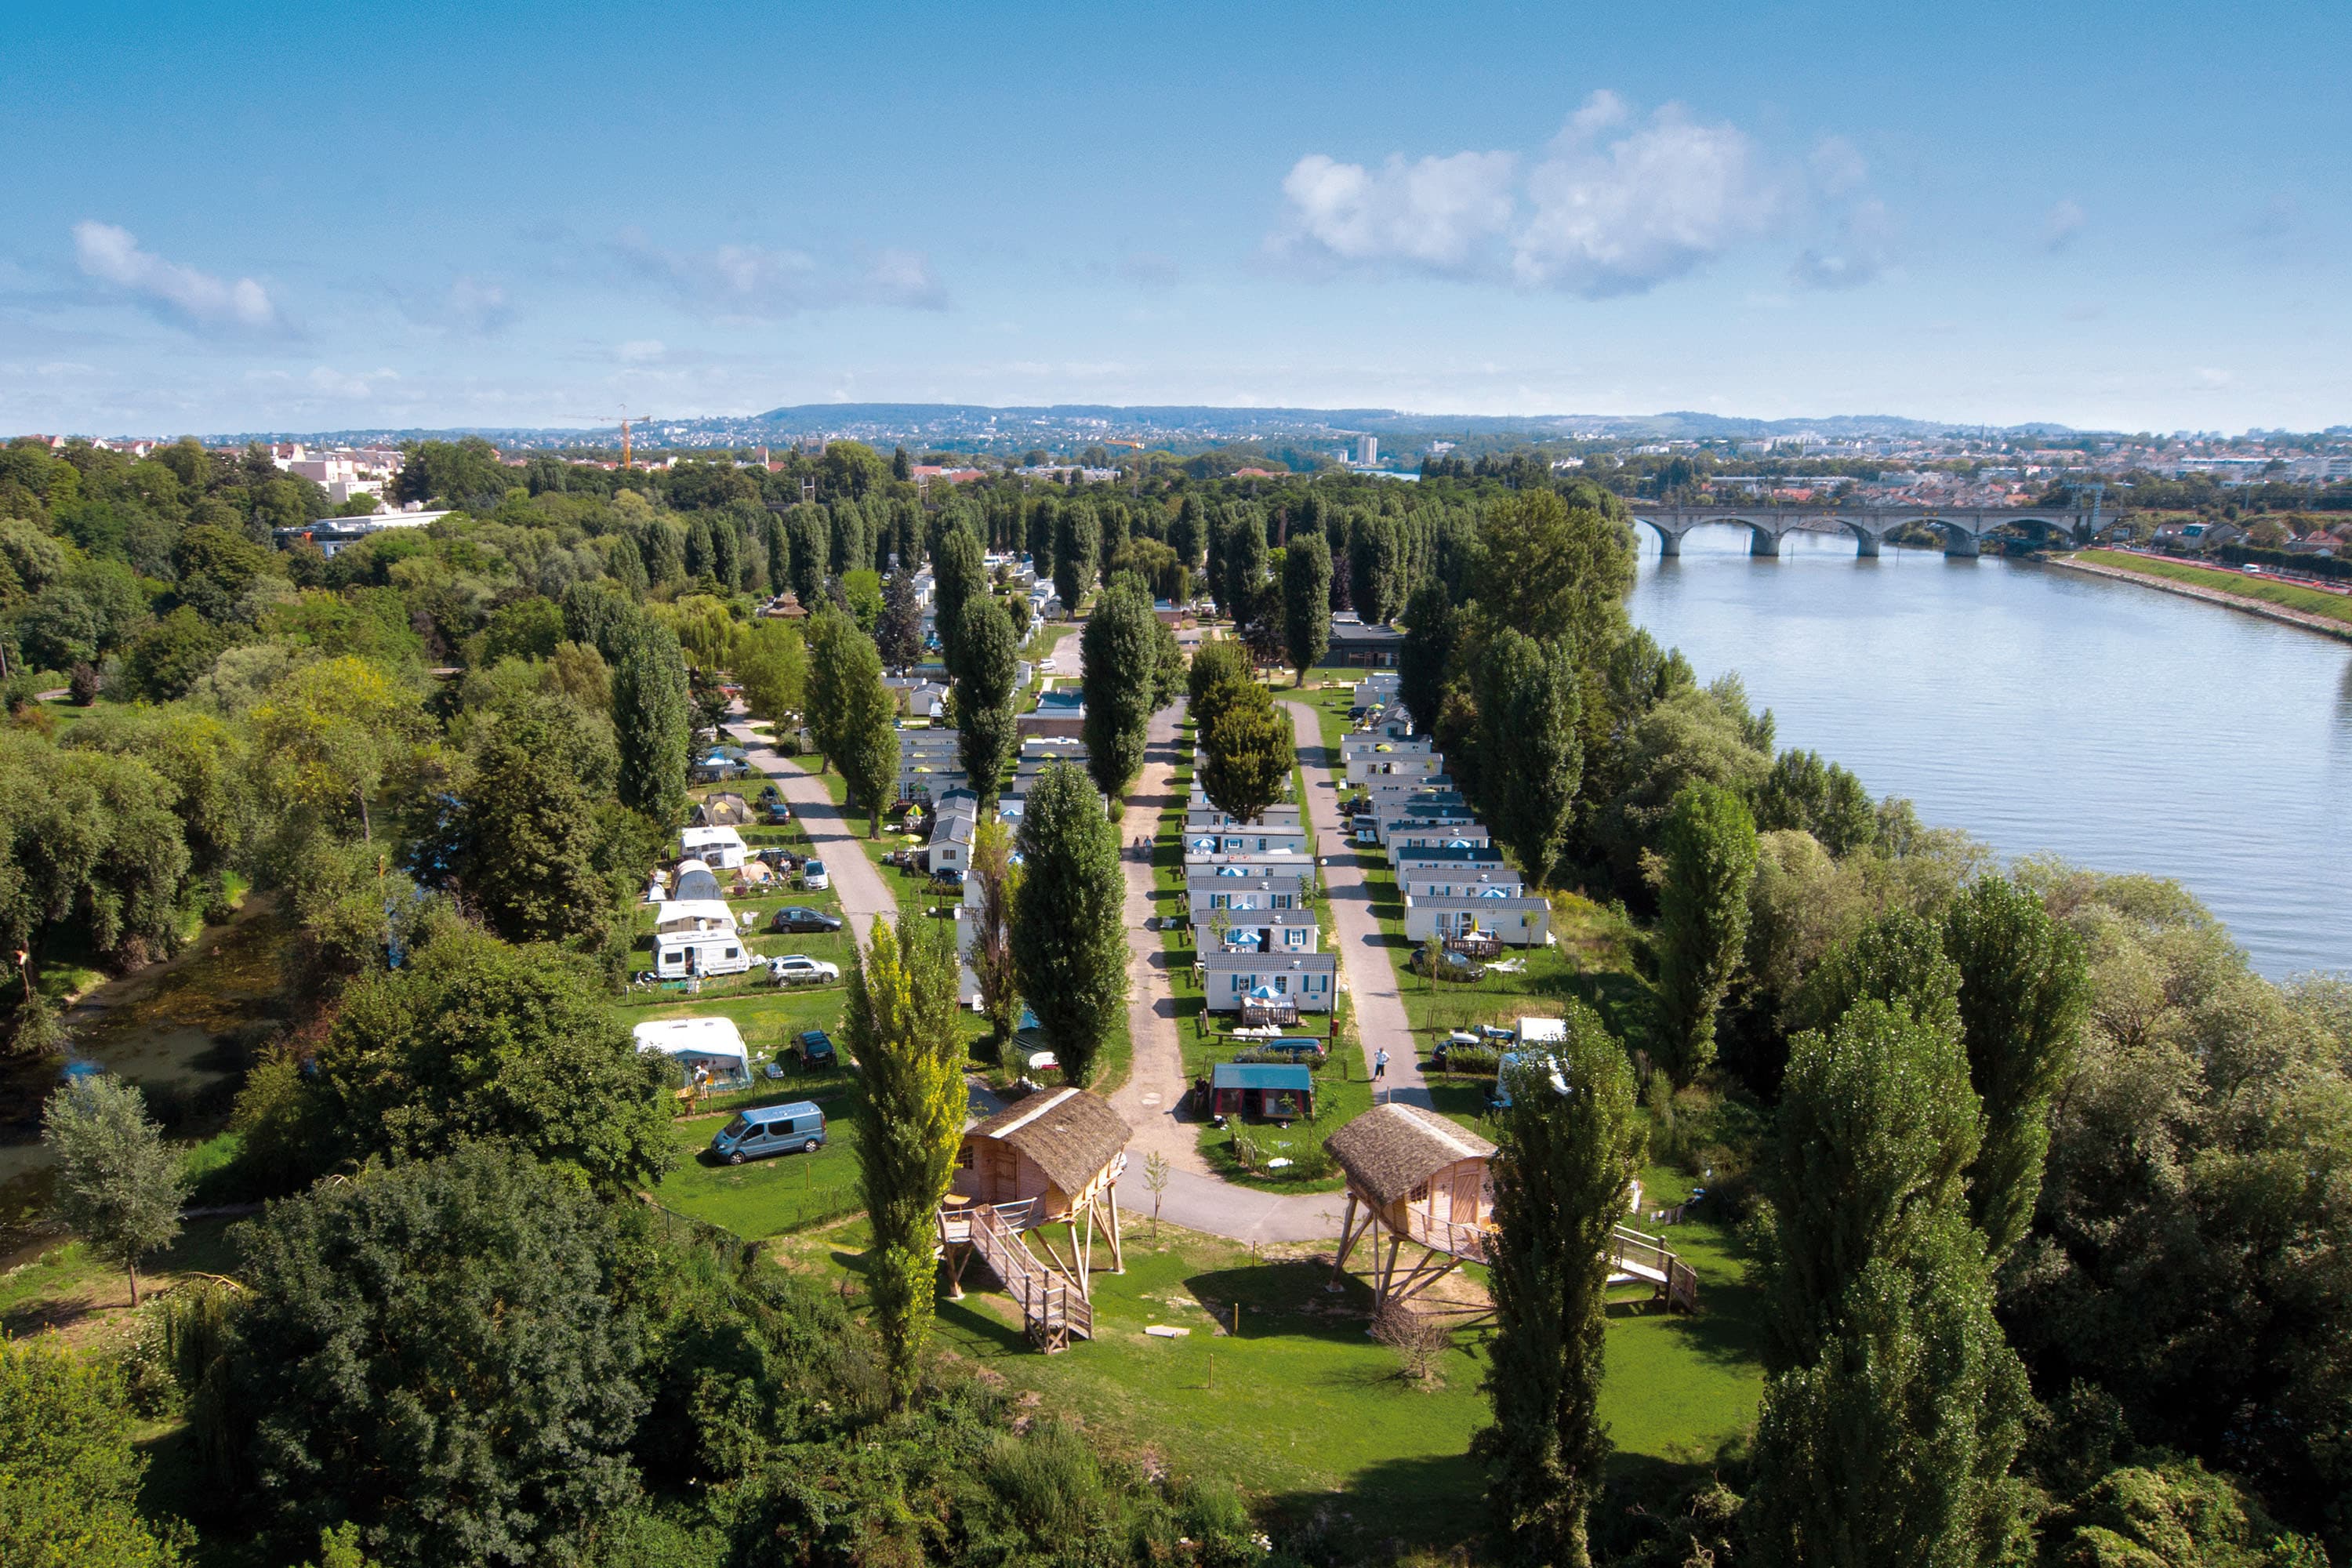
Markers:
point(799, 969)
point(812, 877)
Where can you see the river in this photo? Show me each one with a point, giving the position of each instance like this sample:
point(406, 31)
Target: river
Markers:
point(2123, 728)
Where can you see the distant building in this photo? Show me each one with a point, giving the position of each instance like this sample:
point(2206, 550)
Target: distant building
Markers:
point(1368, 451)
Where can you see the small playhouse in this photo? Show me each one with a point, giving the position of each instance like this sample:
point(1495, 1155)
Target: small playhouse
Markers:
point(1414, 1176)
point(1052, 1159)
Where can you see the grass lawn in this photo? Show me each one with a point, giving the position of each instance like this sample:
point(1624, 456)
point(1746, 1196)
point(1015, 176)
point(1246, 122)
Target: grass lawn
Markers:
point(2241, 585)
point(1303, 1409)
point(764, 1197)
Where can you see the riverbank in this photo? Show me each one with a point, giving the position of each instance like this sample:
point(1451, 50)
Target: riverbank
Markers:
point(2250, 593)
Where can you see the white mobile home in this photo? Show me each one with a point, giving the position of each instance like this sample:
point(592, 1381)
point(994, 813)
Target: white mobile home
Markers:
point(1257, 930)
point(679, 954)
point(713, 1043)
point(1459, 881)
point(1408, 833)
point(1266, 839)
point(1207, 890)
point(694, 914)
point(1305, 980)
point(1202, 814)
point(720, 847)
point(1516, 922)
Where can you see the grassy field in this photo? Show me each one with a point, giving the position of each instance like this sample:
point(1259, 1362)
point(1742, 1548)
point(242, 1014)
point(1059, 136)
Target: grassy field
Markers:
point(2240, 584)
point(761, 1198)
point(1302, 1409)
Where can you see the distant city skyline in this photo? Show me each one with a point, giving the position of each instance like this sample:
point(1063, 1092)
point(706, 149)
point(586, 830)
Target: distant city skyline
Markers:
point(258, 217)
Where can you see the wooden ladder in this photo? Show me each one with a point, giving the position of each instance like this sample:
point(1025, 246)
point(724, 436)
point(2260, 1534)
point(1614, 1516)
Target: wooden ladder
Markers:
point(1635, 1255)
point(1052, 1308)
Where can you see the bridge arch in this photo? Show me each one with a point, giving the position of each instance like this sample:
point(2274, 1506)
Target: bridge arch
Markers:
point(1670, 541)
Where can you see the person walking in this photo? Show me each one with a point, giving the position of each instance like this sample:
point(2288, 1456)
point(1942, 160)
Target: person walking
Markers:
point(1380, 1064)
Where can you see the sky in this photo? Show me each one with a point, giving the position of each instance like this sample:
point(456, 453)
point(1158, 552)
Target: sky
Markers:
point(243, 217)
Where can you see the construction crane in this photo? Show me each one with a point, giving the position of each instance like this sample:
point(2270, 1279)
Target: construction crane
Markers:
point(622, 418)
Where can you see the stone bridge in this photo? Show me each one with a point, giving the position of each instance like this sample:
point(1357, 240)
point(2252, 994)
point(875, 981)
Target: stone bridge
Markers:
point(1964, 529)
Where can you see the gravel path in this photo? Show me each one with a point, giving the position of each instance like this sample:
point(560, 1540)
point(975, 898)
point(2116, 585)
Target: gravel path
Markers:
point(832, 836)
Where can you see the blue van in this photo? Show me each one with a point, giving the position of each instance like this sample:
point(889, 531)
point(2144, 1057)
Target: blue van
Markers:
point(771, 1130)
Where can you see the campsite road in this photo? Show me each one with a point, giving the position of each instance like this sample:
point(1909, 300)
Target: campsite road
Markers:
point(1363, 946)
point(1238, 1214)
point(856, 882)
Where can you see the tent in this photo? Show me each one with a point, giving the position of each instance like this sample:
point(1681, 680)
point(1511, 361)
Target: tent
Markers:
point(711, 1043)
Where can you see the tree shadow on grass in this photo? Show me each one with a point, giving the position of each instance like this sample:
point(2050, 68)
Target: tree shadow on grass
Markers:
point(1284, 1297)
point(1387, 1507)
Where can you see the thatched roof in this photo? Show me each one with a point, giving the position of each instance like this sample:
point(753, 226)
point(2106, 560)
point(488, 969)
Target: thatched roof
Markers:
point(1071, 1134)
point(1392, 1149)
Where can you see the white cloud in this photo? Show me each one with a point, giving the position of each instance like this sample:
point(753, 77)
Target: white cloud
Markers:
point(1863, 249)
point(337, 383)
point(2064, 222)
point(112, 255)
point(641, 351)
point(762, 282)
point(1612, 207)
point(1436, 214)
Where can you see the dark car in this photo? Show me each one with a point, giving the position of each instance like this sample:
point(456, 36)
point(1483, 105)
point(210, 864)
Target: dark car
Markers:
point(801, 918)
point(1293, 1048)
point(812, 1049)
point(779, 814)
point(947, 878)
point(1450, 966)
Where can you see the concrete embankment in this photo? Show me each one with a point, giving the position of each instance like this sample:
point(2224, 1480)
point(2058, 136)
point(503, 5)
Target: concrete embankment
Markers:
point(2339, 630)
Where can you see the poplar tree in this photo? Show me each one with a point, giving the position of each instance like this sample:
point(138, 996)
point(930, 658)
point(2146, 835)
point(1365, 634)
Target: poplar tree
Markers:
point(1078, 536)
point(902, 1030)
point(1432, 639)
point(808, 536)
point(1069, 942)
point(2024, 995)
point(1710, 859)
point(652, 723)
point(986, 681)
point(898, 634)
point(1562, 1166)
point(1530, 757)
point(956, 580)
point(1306, 602)
point(1121, 656)
point(1187, 530)
point(1893, 1407)
point(992, 944)
point(867, 743)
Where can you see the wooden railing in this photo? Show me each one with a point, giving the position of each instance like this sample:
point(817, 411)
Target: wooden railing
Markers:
point(1451, 1236)
point(1052, 1308)
point(1648, 1257)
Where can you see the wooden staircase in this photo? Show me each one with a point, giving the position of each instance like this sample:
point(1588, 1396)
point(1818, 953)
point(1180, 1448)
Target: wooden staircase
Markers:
point(1635, 1257)
point(1053, 1307)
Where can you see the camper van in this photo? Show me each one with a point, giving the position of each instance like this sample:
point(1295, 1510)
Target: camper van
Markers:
point(771, 1130)
point(681, 953)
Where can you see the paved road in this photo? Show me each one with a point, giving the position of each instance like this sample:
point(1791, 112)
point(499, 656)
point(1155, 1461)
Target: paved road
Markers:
point(1370, 973)
point(1156, 1084)
point(1216, 1208)
point(856, 882)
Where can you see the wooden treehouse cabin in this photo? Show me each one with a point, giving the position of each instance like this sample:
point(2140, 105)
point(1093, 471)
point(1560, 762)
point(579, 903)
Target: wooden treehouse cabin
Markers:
point(1414, 1176)
point(1050, 1159)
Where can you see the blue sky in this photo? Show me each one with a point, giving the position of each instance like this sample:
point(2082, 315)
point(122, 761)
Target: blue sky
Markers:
point(244, 216)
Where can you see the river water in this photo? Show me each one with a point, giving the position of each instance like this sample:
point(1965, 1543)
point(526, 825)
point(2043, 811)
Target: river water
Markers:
point(2123, 728)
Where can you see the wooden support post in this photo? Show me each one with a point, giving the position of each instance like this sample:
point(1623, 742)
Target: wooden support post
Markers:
point(1117, 1250)
point(1346, 1239)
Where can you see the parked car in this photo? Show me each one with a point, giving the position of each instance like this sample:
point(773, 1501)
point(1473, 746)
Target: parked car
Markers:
point(1459, 1040)
point(1293, 1047)
point(947, 878)
point(800, 969)
point(814, 878)
point(779, 815)
point(811, 1049)
point(800, 918)
point(771, 1130)
point(1450, 966)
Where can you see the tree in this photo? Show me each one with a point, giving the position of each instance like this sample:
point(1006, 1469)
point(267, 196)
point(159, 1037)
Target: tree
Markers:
point(2024, 994)
point(1248, 747)
point(827, 695)
point(70, 1467)
point(327, 732)
point(1530, 757)
point(1894, 1405)
point(987, 681)
point(1821, 798)
point(1244, 559)
point(899, 632)
point(1120, 653)
point(1562, 1166)
point(1188, 530)
point(866, 744)
point(1306, 602)
point(117, 1187)
point(1710, 858)
point(1375, 568)
point(957, 580)
point(902, 1030)
point(442, 1352)
point(1432, 639)
point(1212, 664)
point(1069, 944)
point(808, 548)
point(652, 723)
point(1078, 536)
point(773, 670)
point(473, 1040)
point(530, 837)
point(1552, 570)
point(992, 943)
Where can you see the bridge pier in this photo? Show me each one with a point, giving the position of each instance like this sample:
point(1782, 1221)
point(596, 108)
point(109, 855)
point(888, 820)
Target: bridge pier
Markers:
point(1961, 546)
point(1763, 541)
point(1868, 546)
point(1669, 543)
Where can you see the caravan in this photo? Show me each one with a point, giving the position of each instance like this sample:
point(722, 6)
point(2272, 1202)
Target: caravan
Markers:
point(711, 1049)
point(679, 954)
